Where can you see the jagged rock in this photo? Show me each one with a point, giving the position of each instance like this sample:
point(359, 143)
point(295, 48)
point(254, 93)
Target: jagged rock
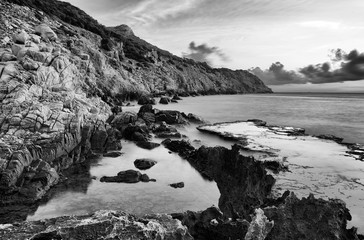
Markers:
point(309, 218)
point(259, 227)
point(29, 65)
point(182, 147)
point(210, 225)
point(177, 185)
point(21, 37)
point(144, 163)
point(331, 137)
point(146, 100)
point(136, 133)
point(99, 225)
point(170, 117)
point(128, 176)
point(113, 154)
point(45, 32)
point(124, 118)
point(164, 100)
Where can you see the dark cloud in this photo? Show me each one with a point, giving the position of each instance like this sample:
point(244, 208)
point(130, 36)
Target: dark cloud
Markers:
point(351, 68)
point(277, 75)
point(203, 53)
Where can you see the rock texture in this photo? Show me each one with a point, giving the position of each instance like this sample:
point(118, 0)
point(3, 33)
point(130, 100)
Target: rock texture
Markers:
point(129, 67)
point(100, 225)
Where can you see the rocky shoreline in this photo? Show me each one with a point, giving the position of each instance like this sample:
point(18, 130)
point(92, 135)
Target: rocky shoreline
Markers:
point(62, 89)
point(246, 208)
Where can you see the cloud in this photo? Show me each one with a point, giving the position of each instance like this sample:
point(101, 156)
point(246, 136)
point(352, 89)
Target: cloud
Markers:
point(277, 75)
point(321, 24)
point(204, 53)
point(351, 68)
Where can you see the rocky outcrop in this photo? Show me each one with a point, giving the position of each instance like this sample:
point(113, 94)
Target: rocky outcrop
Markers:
point(48, 121)
point(128, 67)
point(177, 185)
point(100, 225)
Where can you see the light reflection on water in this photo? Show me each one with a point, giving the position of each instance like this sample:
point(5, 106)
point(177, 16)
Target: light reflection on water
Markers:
point(139, 198)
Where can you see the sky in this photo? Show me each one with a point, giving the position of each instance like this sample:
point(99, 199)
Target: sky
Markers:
point(246, 34)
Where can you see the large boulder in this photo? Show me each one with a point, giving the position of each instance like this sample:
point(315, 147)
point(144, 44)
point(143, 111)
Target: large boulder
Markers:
point(164, 100)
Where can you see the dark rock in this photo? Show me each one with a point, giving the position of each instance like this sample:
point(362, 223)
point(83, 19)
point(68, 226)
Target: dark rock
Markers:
point(174, 101)
point(146, 108)
point(113, 154)
point(147, 145)
point(275, 166)
point(330, 137)
point(128, 176)
point(148, 117)
point(144, 163)
point(168, 135)
point(310, 218)
point(257, 122)
point(177, 185)
point(136, 133)
point(210, 225)
point(176, 97)
point(164, 100)
point(146, 100)
point(170, 117)
point(182, 147)
point(124, 118)
point(116, 109)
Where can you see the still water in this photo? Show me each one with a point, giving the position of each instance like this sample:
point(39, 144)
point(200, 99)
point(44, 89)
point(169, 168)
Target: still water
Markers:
point(338, 114)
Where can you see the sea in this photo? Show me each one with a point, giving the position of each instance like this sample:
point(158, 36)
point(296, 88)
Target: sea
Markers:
point(339, 114)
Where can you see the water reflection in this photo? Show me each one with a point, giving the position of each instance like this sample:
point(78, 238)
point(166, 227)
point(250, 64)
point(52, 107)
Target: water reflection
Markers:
point(140, 198)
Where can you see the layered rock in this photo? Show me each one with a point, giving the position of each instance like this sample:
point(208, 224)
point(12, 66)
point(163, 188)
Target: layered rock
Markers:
point(100, 225)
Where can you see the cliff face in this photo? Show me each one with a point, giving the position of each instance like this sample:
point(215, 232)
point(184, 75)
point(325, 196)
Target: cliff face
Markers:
point(127, 66)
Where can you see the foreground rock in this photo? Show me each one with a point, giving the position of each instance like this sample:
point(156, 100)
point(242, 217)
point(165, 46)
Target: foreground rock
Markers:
point(100, 225)
point(128, 176)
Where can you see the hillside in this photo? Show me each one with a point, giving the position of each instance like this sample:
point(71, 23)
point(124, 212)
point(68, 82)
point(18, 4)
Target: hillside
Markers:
point(127, 66)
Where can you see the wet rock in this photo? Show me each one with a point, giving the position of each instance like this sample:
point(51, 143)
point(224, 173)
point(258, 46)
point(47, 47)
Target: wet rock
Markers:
point(211, 225)
point(164, 100)
point(182, 147)
point(99, 225)
point(147, 145)
point(124, 118)
point(147, 108)
point(309, 218)
point(128, 176)
point(174, 101)
point(136, 133)
point(146, 100)
point(330, 137)
point(170, 117)
point(275, 166)
point(177, 185)
point(113, 154)
point(144, 163)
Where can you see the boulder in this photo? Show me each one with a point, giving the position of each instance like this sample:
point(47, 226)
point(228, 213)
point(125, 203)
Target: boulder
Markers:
point(164, 100)
point(176, 97)
point(146, 100)
point(170, 117)
point(182, 147)
point(144, 163)
point(128, 176)
point(147, 108)
point(147, 145)
point(7, 57)
point(177, 185)
point(45, 32)
point(136, 133)
point(21, 37)
point(124, 118)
